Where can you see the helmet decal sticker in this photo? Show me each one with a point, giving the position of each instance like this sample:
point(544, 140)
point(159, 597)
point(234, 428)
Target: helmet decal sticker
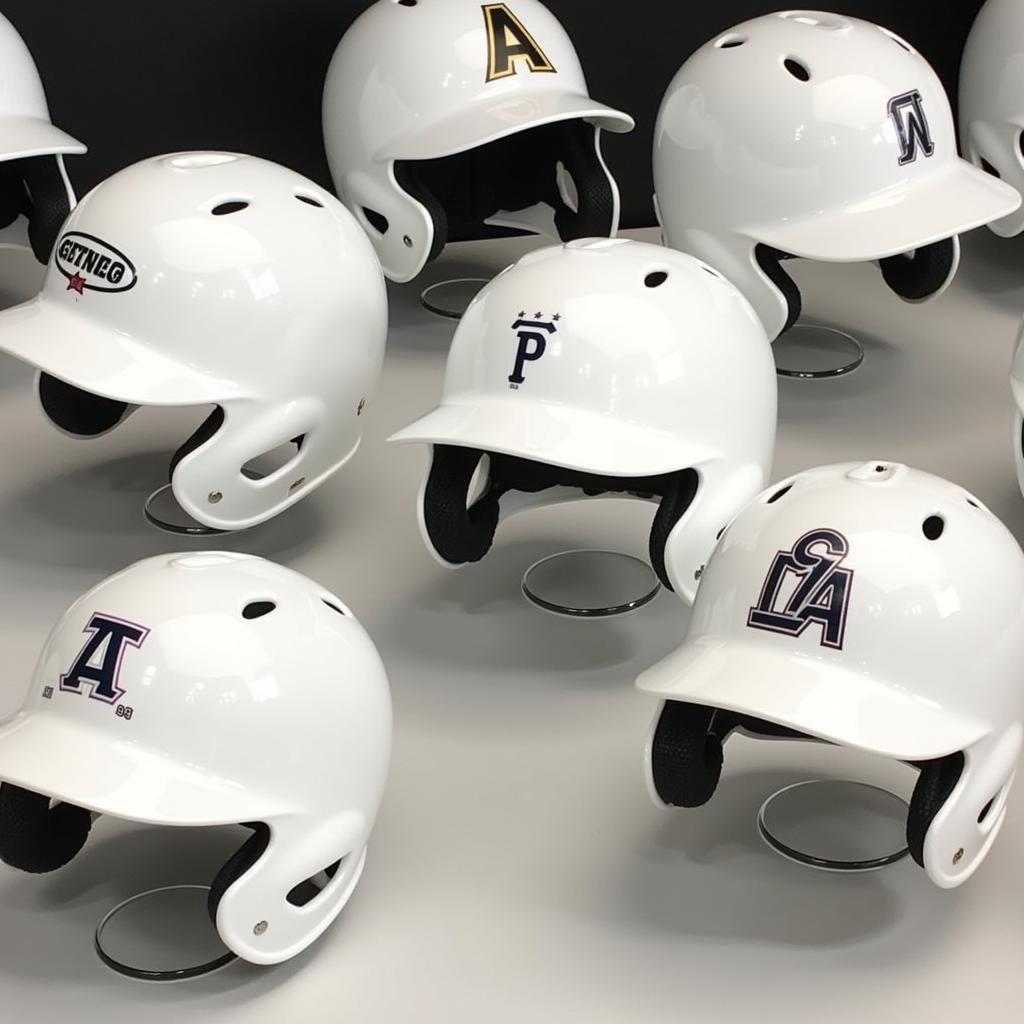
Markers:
point(509, 41)
point(90, 263)
point(532, 343)
point(821, 594)
point(912, 131)
point(98, 664)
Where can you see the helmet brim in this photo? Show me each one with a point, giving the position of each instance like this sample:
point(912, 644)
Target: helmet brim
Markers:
point(480, 123)
point(96, 358)
point(32, 136)
point(823, 700)
point(67, 762)
point(557, 435)
point(918, 212)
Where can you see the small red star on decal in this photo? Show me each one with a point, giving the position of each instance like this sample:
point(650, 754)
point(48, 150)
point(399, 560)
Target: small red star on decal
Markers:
point(76, 283)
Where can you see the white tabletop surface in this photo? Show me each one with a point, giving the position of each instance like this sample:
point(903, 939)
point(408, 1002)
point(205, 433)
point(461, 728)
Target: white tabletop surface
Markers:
point(518, 871)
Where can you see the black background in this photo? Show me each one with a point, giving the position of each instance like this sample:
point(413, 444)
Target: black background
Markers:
point(135, 78)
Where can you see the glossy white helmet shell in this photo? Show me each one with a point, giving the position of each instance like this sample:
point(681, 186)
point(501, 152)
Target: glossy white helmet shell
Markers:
point(909, 644)
point(413, 81)
point(215, 278)
point(654, 363)
point(817, 135)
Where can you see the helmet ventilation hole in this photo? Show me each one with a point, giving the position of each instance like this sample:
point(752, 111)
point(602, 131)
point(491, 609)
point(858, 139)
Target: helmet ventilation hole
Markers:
point(780, 493)
point(933, 526)
point(985, 810)
point(332, 606)
point(376, 220)
point(797, 70)
point(973, 503)
point(257, 609)
point(656, 279)
point(234, 206)
point(407, 241)
point(730, 41)
point(407, 3)
point(309, 200)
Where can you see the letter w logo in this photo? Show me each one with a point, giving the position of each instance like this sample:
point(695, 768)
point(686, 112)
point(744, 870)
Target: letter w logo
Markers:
point(98, 665)
point(818, 589)
point(912, 131)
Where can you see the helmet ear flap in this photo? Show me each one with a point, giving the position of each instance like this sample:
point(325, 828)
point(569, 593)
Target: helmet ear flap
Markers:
point(36, 837)
point(596, 201)
point(676, 500)
point(410, 180)
point(685, 755)
point(238, 864)
point(49, 203)
point(935, 783)
point(770, 262)
point(924, 273)
point(457, 533)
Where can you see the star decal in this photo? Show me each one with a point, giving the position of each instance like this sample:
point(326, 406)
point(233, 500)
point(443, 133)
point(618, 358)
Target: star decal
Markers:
point(537, 316)
point(362, 406)
point(76, 283)
point(522, 313)
point(557, 317)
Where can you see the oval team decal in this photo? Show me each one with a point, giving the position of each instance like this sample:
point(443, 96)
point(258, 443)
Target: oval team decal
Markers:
point(91, 264)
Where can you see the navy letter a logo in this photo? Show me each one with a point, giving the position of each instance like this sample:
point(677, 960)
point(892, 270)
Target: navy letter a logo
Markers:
point(98, 664)
point(821, 594)
point(912, 131)
point(533, 340)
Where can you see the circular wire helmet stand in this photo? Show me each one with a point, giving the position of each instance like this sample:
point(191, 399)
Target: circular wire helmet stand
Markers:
point(451, 298)
point(813, 351)
point(163, 511)
point(163, 934)
point(835, 825)
point(590, 584)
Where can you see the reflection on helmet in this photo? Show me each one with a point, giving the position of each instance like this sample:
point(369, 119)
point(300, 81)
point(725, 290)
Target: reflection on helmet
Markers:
point(602, 367)
point(219, 280)
point(35, 194)
point(173, 693)
point(868, 605)
point(444, 118)
point(849, 155)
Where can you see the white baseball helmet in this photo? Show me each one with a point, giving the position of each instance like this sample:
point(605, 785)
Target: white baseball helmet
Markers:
point(209, 689)
point(872, 606)
point(441, 116)
point(35, 194)
point(601, 366)
point(992, 100)
point(818, 136)
point(212, 278)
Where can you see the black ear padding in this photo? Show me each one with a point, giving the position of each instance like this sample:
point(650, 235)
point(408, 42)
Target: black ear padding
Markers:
point(76, 411)
point(200, 436)
point(49, 205)
point(919, 275)
point(407, 174)
point(687, 749)
point(686, 756)
point(935, 783)
point(36, 837)
point(238, 864)
point(770, 262)
point(460, 534)
point(462, 191)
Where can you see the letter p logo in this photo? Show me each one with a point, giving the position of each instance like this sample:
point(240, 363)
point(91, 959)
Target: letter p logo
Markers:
point(532, 345)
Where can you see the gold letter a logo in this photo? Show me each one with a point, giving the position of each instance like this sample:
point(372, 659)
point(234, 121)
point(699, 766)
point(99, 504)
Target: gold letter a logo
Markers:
point(509, 41)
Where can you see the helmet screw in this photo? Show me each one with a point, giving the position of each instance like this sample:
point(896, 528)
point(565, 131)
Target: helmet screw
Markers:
point(958, 856)
point(407, 241)
point(260, 928)
point(214, 497)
